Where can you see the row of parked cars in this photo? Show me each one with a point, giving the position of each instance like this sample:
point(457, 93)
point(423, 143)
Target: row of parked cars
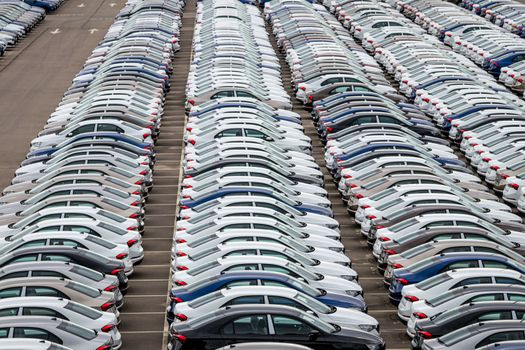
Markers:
point(72, 219)
point(257, 254)
point(17, 19)
point(450, 251)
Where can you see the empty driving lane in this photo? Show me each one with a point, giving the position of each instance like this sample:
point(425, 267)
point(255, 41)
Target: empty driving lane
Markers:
point(144, 312)
point(36, 72)
point(392, 330)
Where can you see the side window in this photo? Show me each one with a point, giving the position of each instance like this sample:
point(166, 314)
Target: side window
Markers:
point(54, 257)
point(36, 243)
point(47, 274)
point(44, 292)
point(244, 94)
point(331, 81)
point(516, 297)
point(361, 88)
point(254, 133)
point(229, 133)
point(286, 301)
point(290, 326)
point(507, 280)
point(66, 242)
point(41, 311)
point(475, 280)
point(19, 274)
point(494, 264)
point(340, 89)
point(83, 129)
point(222, 94)
point(109, 128)
point(462, 265)
point(243, 252)
point(487, 297)
point(23, 258)
point(254, 299)
point(456, 250)
point(494, 316)
point(10, 292)
point(12, 311)
point(440, 223)
point(447, 236)
point(4, 332)
point(363, 120)
point(245, 267)
point(257, 325)
point(501, 336)
point(240, 284)
point(38, 333)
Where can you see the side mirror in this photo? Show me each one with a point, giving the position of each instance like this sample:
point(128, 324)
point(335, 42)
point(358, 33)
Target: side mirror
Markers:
point(267, 138)
point(314, 334)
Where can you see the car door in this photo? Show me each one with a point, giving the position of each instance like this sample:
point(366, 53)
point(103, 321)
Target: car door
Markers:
point(245, 329)
point(35, 332)
point(292, 330)
point(501, 336)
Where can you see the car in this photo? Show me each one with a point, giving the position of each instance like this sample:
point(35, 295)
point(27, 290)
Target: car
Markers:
point(273, 295)
point(264, 346)
point(30, 343)
point(54, 329)
point(251, 324)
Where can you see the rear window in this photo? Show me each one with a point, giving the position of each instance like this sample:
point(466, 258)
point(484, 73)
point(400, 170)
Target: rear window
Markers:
point(92, 292)
point(83, 310)
point(88, 273)
point(81, 332)
point(433, 281)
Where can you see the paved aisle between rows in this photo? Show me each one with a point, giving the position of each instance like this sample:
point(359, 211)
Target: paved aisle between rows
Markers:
point(144, 312)
point(37, 71)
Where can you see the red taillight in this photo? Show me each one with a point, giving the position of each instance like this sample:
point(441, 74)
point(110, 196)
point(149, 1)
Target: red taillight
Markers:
point(134, 216)
point(347, 176)
point(402, 281)
point(180, 338)
point(191, 102)
point(121, 256)
point(181, 317)
point(365, 206)
point(303, 88)
point(180, 283)
point(377, 227)
point(182, 268)
point(426, 99)
point(146, 135)
point(106, 306)
point(136, 192)
point(132, 228)
point(420, 315)
point(132, 242)
point(104, 347)
point(494, 167)
point(184, 207)
point(311, 98)
point(359, 196)
point(135, 204)
point(425, 334)
point(392, 252)
point(384, 239)
point(144, 172)
point(107, 328)
point(411, 298)
point(396, 266)
point(139, 182)
point(116, 271)
point(110, 288)
point(189, 129)
point(372, 217)
point(514, 186)
point(504, 176)
point(329, 129)
point(192, 141)
point(176, 299)
point(181, 254)
point(180, 241)
point(486, 159)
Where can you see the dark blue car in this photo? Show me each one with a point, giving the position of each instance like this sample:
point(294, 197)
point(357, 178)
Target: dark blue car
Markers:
point(471, 110)
point(90, 135)
point(236, 191)
point(435, 265)
point(495, 63)
point(438, 81)
point(182, 293)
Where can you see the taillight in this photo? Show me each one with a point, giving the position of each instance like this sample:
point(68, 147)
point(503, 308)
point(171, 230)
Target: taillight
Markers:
point(182, 268)
point(180, 283)
point(106, 306)
point(359, 196)
point(396, 266)
point(329, 129)
point(372, 217)
point(347, 176)
point(116, 271)
point(144, 172)
point(136, 192)
point(134, 216)
point(110, 288)
point(377, 227)
point(311, 98)
point(107, 328)
point(403, 281)
point(411, 298)
point(425, 334)
point(135, 204)
point(303, 88)
point(192, 141)
point(121, 256)
point(191, 102)
point(391, 252)
point(146, 135)
point(176, 299)
point(104, 347)
point(420, 315)
point(139, 182)
point(181, 317)
point(365, 206)
point(504, 176)
point(180, 338)
point(180, 254)
point(180, 241)
point(494, 167)
point(132, 242)
point(131, 228)
point(384, 239)
point(514, 186)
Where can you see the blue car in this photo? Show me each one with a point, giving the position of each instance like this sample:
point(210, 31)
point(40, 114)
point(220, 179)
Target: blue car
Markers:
point(235, 191)
point(91, 135)
point(181, 293)
point(435, 265)
point(438, 81)
point(494, 63)
point(448, 124)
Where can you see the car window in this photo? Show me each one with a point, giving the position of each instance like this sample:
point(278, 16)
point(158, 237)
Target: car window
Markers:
point(4, 332)
point(47, 274)
point(520, 315)
point(82, 129)
point(41, 311)
point(494, 316)
point(66, 242)
point(109, 128)
point(474, 280)
point(256, 325)
point(286, 301)
point(15, 275)
point(485, 297)
point(254, 133)
point(252, 299)
point(494, 264)
point(23, 258)
point(241, 284)
point(44, 292)
point(12, 311)
point(222, 94)
point(244, 94)
point(10, 292)
point(516, 297)
point(456, 249)
point(38, 333)
point(244, 267)
point(55, 257)
point(229, 133)
point(501, 336)
point(243, 252)
point(508, 280)
point(462, 265)
point(289, 326)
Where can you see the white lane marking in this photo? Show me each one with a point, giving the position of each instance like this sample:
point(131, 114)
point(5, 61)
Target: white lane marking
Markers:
point(93, 30)
point(81, 5)
point(56, 31)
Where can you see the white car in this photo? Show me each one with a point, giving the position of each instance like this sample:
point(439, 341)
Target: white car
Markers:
point(446, 281)
point(273, 295)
